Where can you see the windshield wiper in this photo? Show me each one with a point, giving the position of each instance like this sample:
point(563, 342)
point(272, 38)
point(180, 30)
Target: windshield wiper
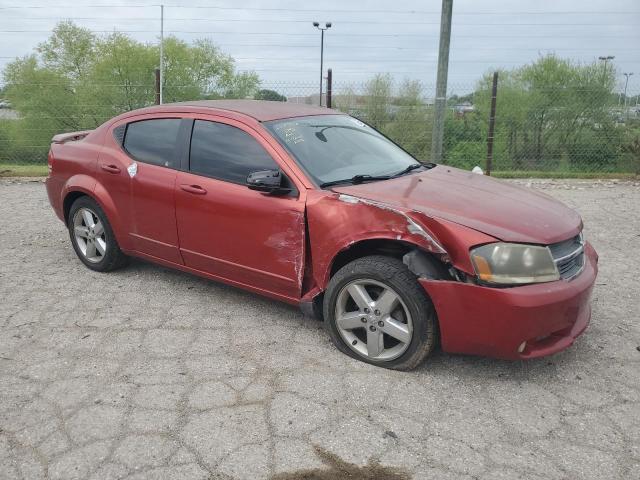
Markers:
point(355, 180)
point(412, 167)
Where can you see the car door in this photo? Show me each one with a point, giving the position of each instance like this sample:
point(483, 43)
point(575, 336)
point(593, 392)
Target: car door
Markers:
point(143, 179)
point(225, 229)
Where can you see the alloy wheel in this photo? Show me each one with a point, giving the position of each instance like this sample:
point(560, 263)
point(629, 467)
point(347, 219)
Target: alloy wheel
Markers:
point(89, 235)
point(373, 320)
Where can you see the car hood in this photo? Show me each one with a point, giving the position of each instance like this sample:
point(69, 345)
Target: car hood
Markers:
point(500, 209)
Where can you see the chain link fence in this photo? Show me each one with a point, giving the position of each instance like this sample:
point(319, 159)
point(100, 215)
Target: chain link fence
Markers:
point(560, 130)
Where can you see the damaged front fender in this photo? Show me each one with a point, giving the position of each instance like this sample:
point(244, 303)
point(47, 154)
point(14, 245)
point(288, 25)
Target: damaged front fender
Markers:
point(338, 221)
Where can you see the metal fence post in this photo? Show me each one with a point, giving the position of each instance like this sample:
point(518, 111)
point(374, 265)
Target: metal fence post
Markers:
point(492, 124)
point(329, 88)
point(161, 82)
point(157, 86)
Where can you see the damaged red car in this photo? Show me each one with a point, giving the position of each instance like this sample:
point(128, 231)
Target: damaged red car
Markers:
point(315, 208)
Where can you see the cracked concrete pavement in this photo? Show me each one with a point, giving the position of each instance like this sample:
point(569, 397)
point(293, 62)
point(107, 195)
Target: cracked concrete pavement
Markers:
point(147, 373)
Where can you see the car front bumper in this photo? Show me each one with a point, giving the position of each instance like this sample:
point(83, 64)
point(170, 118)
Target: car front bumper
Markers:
point(495, 322)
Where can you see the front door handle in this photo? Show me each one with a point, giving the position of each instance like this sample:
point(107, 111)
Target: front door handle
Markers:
point(110, 168)
point(196, 189)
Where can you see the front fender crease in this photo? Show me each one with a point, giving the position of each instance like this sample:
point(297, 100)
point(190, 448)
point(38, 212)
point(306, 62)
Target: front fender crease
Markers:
point(338, 221)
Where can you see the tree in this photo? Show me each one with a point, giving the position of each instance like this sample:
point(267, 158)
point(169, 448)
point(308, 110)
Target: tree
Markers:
point(241, 85)
point(377, 100)
point(411, 123)
point(271, 95)
point(401, 115)
point(120, 79)
point(458, 99)
point(553, 113)
point(69, 50)
point(46, 102)
point(76, 80)
point(347, 101)
point(631, 149)
point(513, 106)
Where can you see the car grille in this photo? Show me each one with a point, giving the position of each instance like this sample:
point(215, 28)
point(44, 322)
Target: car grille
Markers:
point(569, 256)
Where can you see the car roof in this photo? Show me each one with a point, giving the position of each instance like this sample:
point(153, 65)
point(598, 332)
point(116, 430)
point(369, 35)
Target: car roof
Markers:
point(261, 110)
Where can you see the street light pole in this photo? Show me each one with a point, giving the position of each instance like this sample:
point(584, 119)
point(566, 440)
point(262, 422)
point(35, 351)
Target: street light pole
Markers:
point(321, 64)
point(327, 26)
point(626, 83)
point(605, 59)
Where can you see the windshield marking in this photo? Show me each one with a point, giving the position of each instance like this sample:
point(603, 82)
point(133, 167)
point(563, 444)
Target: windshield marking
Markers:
point(291, 134)
point(338, 146)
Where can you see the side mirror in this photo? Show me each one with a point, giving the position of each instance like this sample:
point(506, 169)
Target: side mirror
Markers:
point(268, 181)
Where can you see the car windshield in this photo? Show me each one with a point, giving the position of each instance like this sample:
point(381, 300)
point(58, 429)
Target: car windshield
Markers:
point(331, 148)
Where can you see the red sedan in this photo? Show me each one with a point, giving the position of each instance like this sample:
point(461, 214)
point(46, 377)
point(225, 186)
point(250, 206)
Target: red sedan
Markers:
point(315, 208)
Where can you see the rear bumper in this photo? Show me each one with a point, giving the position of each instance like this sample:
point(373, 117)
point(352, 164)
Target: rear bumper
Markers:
point(54, 187)
point(494, 322)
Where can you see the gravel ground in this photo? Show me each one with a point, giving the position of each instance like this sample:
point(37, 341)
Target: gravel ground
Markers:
point(151, 373)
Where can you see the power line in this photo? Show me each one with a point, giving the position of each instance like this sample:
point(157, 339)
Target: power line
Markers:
point(432, 61)
point(376, 58)
point(389, 35)
point(336, 35)
point(315, 10)
point(394, 47)
point(386, 23)
point(200, 18)
point(393, 22)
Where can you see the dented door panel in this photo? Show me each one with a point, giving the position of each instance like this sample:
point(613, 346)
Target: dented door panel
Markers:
point(242, 235)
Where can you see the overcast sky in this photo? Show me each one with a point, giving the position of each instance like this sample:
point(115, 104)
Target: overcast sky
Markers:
point(277, 40)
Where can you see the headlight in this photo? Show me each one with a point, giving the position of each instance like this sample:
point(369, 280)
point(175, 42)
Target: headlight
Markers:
point(514, 264)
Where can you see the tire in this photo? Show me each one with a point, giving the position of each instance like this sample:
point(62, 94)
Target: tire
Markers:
point(95, 245)
point(410, 332)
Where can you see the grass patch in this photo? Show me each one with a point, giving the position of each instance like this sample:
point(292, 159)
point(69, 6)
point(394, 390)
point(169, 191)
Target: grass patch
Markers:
point(543, 174)
point(39, 170)
point(23, 170)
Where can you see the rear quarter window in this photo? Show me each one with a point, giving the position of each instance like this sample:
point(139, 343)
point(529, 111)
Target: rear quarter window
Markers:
point(118, 133)
point(153, 141)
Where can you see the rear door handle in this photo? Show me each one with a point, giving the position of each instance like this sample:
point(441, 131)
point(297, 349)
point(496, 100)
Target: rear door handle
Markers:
point(110, 168)
point(196, 189)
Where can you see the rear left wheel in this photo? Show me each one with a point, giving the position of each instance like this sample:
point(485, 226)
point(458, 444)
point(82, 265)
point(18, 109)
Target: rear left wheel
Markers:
point(92, 237)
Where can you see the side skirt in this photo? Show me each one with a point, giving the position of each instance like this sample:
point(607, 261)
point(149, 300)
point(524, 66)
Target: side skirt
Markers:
point(210, 276)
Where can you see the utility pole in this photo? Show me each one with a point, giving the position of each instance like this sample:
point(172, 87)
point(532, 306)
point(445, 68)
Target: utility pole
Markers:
point(327, 26)
point(626, 83)
point(161, 50)
point(440, 103)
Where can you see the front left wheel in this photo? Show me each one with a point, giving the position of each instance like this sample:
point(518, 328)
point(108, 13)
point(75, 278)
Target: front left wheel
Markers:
point(376, 311)
point(92, 237)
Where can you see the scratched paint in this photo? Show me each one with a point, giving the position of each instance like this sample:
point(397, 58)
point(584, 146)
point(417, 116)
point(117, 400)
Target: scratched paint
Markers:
point(412, 226)
point(336, 222)
point(132, 169)
point(289, 243)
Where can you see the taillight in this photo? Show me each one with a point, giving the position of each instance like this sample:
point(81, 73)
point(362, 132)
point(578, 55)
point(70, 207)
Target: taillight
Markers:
point(50, 161)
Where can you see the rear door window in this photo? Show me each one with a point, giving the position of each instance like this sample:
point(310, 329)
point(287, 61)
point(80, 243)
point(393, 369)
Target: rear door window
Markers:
point(154, 141)
point(226, 153)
